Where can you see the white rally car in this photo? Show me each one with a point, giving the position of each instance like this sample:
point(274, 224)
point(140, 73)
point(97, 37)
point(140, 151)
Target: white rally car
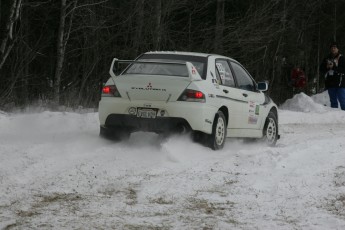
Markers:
point(213, 96)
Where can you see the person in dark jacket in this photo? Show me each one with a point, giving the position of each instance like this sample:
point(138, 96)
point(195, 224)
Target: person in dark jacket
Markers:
point(333, 68)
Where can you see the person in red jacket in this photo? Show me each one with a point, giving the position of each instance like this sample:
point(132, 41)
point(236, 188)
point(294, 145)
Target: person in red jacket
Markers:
point(333, 68)
point(298, 78)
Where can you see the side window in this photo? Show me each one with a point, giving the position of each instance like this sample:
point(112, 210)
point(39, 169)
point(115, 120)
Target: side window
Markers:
point(224, 71)
point(218, 77)
point(244, 81)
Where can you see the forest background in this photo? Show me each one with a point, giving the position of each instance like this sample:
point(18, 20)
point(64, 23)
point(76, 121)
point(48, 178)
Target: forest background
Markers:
point(58, 52)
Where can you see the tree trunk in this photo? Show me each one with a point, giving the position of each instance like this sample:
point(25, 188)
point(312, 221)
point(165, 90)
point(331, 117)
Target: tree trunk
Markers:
point(318, 62)
point(219, 27)
point(60, 54)
point(158, 34)
point(25, 63)
point(139, 27)
point(8, 39)
point(62, 39)
point(335, 23)
point(274, 60)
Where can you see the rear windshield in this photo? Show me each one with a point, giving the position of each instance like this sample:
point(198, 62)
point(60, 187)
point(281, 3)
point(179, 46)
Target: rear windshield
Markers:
point(167, 69)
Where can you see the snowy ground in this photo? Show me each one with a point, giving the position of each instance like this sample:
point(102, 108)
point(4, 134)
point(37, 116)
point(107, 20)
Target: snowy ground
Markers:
point(56, 173)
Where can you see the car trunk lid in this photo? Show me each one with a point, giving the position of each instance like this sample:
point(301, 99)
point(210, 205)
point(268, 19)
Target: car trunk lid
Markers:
point(151, 87)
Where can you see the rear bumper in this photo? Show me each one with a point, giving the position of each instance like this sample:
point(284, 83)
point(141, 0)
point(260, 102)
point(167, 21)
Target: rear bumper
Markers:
point(197, 116)
point(159, 124)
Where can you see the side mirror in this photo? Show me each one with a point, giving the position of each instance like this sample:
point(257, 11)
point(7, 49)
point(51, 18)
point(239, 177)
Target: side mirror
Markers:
point(262, 86)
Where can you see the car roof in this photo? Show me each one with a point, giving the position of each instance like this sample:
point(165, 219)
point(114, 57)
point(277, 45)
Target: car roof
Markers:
point(186, 53)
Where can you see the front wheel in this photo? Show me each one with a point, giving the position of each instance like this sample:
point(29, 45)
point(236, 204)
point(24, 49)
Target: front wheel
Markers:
point(218, 136)
point(270, 130)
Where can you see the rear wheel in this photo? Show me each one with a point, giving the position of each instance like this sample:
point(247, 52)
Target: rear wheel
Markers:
point(114, 133)
point(270, 130)
point(218, 136)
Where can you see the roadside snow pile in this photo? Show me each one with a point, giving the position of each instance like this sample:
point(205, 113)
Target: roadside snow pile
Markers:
point(303, 103)
point(322, 98)
point(302, 109)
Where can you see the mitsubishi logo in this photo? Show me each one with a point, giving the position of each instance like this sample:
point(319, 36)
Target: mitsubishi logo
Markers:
point(149, 86)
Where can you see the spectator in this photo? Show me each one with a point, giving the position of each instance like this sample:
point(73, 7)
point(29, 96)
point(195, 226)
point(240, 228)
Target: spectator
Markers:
point(333, 68)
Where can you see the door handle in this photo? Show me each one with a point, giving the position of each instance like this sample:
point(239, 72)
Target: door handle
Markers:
point(225, 91)
point(244, 94)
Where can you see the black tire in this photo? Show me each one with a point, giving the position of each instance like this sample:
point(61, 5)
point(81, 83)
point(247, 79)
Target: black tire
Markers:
point(218, 136)
point(270, 130)
point(200, 138)
point(114, 133)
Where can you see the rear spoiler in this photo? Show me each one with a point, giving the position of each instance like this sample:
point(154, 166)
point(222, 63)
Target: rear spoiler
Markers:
point(192, 71)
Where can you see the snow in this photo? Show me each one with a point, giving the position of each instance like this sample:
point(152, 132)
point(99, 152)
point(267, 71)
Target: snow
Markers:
point(303, 103)
point(55, 172)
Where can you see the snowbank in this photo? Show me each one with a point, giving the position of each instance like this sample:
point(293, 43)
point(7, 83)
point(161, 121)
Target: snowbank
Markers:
point(322, 98)
point(303, 103)
point(302, 109)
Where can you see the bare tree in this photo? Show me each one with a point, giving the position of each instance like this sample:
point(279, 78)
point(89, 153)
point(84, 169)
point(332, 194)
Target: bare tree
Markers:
point(8, 39)
point(158, 29)
point(62, 39)
point(137, 42)
point(218, 43)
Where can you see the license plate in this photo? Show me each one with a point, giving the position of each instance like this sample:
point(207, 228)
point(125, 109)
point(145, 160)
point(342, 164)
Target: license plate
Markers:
point(147, 113)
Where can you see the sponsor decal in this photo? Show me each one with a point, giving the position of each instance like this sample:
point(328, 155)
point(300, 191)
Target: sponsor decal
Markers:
point(251, 104)
point(214, 81)
point(193, 70)
point(252, 120)
point(211, 95)
point(221, 70)
point(149, 87)
point(257, 110)
point(254, 108)
point(208, 121)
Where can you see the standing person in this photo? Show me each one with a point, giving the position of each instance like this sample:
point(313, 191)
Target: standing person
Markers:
point(333, 67)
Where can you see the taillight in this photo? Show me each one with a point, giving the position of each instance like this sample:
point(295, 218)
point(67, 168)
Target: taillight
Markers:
point(192, 96)
point(110, 91)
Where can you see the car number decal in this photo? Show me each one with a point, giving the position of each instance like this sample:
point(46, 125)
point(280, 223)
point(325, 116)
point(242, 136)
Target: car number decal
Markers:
point(221, 70)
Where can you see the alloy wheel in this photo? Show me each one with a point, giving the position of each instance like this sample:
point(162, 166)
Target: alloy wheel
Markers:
point(220, 133)
point(271, 131)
